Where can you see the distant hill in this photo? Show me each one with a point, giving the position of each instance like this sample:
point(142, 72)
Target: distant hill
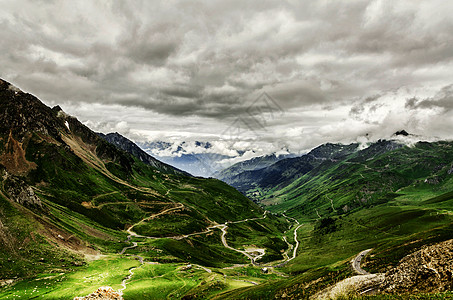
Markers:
point(130, 147)
point(255, 163)
point(203, 162)
point(285, 171)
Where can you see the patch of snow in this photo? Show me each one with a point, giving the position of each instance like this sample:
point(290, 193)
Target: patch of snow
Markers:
point(67, 124)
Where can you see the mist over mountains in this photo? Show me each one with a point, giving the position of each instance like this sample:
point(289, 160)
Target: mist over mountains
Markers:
point(184, 149)
point(202, 158)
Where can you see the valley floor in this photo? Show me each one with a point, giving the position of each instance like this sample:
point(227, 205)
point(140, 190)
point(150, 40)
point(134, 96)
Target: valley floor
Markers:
point(135, 277)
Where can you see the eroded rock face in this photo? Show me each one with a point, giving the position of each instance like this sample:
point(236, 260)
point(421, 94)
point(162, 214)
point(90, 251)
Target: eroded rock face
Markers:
point(102, 293)
point(19, 191)
point(13, 157)
point(23, 113)
point(428, 270)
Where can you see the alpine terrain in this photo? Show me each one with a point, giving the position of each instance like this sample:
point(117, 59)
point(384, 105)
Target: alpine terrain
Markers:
point(86, 215)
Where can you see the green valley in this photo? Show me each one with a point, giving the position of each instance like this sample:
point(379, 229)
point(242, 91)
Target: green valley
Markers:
point(78, 213)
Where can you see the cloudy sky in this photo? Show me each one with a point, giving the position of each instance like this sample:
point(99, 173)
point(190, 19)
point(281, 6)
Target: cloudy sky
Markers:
point(192, 70)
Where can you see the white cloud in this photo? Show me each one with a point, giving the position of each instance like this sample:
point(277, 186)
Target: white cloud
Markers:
point(185, 70)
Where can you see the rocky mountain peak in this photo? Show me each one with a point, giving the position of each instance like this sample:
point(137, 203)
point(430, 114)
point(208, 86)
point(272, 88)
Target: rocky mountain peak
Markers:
point(128, 146)
point(401, 132)
point(23, 113)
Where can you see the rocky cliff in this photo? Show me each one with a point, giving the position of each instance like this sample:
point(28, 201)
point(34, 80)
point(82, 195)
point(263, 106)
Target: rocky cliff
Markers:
point(130, 147)
point(429, 269)
point(19, 191)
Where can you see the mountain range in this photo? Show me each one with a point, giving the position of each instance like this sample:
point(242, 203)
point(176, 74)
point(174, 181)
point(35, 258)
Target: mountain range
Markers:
point(81, 210)
point(205, 159)
point(67, 193)
point(196, 158)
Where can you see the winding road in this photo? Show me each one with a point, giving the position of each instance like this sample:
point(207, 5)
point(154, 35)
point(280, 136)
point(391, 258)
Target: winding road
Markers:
point(357, 260)
point(249, 253)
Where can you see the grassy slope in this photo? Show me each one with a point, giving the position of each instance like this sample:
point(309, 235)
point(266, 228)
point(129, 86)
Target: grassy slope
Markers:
point(390, 208)
point(265, 233)
point(23, 250)
point(91, 193)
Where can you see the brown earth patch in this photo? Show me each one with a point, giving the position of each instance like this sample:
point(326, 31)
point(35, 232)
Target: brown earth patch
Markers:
point(87, 204)
point(63, 239)
point(95, 233)
point(48, 138)
point(14, 159)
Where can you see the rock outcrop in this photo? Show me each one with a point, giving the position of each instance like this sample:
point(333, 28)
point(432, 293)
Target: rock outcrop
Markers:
point(19, 191)
point(102, 293)
point(428, 270)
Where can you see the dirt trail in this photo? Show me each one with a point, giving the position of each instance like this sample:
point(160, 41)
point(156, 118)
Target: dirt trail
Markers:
point(223, 228)
point(290, 246)
point(131, 233)
point(262, 252)
point(81, 150)
point(135, 244)
point(247, 252)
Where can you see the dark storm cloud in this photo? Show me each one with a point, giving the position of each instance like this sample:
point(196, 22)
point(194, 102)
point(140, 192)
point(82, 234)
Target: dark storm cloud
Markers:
point(442, 100)
point(358, 109)
point(211, 59)
point(182, 92)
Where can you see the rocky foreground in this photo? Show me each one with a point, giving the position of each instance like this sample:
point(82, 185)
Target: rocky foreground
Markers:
point(427, 270)
point(102, 293)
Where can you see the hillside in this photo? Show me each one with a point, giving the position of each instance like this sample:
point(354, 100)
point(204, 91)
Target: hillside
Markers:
point(252, 164)
point(72, 203)
point(78, 213)
point(255, 182)
point(391, 198)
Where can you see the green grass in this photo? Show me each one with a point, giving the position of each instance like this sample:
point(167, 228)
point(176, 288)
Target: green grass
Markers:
point(175, 223)
point(161, 281)
point(206, 250)
point(265, 233)
point(150, 280)
point(109, 271)
point(377, 227)
point(24, 252)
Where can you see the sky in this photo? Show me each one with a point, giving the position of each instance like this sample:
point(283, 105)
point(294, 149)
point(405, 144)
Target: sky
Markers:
point(267, 75)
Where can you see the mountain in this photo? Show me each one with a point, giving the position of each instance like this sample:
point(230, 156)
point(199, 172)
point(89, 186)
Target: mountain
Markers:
point(67, 194)
point(196, 158)
point(127, 145)
point(285, 171)
point(255, 163)
point(393, 199)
